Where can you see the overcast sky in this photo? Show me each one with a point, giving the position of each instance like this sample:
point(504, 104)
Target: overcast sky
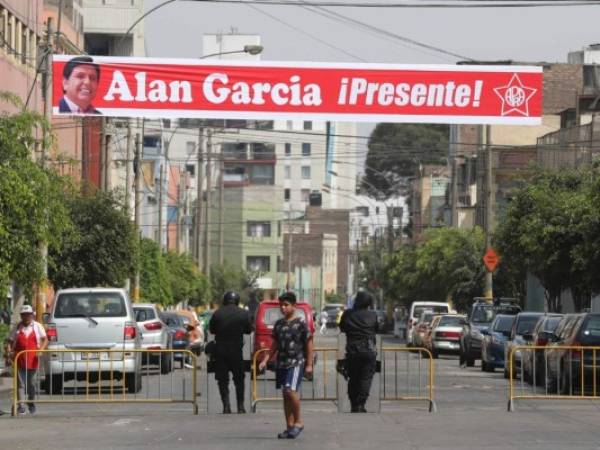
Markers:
point(291, 33)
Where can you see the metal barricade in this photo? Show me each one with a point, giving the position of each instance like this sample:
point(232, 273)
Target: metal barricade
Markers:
point(106, 376)
point(406, 376)
point(553, 372)
point(321, 387)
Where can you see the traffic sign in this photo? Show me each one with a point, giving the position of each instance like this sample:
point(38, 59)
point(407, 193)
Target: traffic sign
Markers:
point(491, 259)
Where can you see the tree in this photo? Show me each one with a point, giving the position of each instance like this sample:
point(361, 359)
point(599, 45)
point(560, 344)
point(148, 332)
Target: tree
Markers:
point(101, 249)
point(188, 284)
point(32, 207)
point(226, 277)
point(395, 152)
point(155, 281)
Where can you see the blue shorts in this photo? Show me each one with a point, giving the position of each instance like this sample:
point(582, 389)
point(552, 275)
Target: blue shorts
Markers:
point(289, 378)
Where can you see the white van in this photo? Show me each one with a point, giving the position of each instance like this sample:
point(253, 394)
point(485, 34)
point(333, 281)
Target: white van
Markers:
point(416, 309)
point(93, 319)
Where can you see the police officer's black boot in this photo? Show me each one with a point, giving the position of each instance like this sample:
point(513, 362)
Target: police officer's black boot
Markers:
point(240, 400)
point(225, 399)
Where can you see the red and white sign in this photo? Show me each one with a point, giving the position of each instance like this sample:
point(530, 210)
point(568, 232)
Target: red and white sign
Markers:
point(171, 88)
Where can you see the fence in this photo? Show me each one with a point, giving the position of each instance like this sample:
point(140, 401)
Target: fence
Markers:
point(322, 387)
point(411, 379)
point(105, 376)
point(553, 372)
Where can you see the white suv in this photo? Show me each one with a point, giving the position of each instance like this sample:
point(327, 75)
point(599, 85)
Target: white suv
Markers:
point(93, 319)
point(155, 336)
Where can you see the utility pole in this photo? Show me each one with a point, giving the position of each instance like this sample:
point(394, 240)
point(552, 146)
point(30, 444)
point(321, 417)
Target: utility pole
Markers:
point(390, 218)
point(199, 199)
point(221, 208)
point(290, 242)
point(128, 165)
point(454, 193)
point(489, 293)
point(207, 227)
point(179, 208)
point(40, 304)
point(103, 154)
point(160, 205)
point(137, 207)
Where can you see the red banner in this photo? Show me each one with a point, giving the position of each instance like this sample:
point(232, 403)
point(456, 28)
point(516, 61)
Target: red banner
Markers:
point(151, 87)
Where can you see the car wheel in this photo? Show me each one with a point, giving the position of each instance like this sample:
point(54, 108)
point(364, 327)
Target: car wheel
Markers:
point(506, 374)
point(134, 382)
point(470, 362)
point(434, 354)
point(53, 384)
point(166, 363)
point(484, 366)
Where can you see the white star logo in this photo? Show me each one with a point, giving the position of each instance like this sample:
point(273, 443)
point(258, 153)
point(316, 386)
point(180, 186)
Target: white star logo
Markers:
point(515, 97)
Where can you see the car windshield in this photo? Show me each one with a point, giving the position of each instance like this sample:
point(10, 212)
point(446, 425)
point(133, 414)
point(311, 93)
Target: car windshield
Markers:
point(450, 321)
point(483, 314)
point(272, 315)
point(526, 324)
point(590, 333)
point(418, 311)
point(144, 314)
point(427, 318)
point(504, 323)
point(172, 320)
point(332, 310)
point(86, 304)
point(551, 323)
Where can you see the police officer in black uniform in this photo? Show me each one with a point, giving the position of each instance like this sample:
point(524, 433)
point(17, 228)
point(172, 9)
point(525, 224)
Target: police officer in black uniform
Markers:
point(229, 323)
point(360, 326)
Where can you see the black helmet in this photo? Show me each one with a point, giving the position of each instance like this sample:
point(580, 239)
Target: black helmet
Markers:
point(231, 298)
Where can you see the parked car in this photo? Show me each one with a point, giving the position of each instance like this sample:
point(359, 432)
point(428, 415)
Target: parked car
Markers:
point(97, 320)
point(445, 334)
point(573, 330)
point(534, 360)
point(478, 322)
point(520, 335)
point(155, 336)
point(333, 310)
point(426, 340)
point(267, 314)
point(180, 336)
point(492, 350)
point(414, 314)
point(196, 333)
point(423, 327)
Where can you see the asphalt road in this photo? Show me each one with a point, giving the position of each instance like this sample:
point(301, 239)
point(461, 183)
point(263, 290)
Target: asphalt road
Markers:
point(472, 414)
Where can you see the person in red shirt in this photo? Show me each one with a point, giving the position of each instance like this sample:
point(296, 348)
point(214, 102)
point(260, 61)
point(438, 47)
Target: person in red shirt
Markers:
point(27, 335)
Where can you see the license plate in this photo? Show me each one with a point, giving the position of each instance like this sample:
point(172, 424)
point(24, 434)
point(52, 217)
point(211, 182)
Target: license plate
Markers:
point(89, 356)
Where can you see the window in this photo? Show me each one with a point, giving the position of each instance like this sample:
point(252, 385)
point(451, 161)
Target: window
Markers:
point(9, 34)
point(307, 125)
point(363, 210)
point(288, 149)
point(264, 175)
point(290, 124)
point(191, 169)
point(258, 263)
point(286, 195)
point(305, 149)
point(24, 36)
point(305, 195)
point(101, 304)
point(190, 147)
point(2, 28)
point(287, 171)
point(144, 314)
point(306, 172)
point(259, 229)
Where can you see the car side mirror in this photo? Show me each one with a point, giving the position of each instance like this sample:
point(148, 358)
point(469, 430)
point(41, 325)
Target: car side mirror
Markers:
point(528, 337)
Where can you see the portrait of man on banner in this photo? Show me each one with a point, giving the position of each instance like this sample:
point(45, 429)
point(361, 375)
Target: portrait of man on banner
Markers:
point(80, 79)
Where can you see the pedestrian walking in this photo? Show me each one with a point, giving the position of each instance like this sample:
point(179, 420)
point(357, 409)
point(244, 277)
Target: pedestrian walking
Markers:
point(323, 319)
point(229, 323)
point(360, 326)
point(27, 335)
point(293, 345)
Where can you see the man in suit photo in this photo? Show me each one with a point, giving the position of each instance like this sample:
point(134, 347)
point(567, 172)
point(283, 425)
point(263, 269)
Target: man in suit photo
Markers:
point(80, 83)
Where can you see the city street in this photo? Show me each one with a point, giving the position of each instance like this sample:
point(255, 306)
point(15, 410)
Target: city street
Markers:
point(471, 414)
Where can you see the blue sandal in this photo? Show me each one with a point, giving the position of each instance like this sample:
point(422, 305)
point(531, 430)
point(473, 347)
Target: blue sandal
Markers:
point(294, 432)
point(284, 435)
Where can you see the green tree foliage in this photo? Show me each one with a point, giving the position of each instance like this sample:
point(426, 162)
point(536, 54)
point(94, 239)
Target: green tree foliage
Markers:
point(31, 199)
point(188, 284)
point(155, 281)
point(446, 265)
point(101, 249)
point(226, 277)
point(395, 152)
point(550, 229)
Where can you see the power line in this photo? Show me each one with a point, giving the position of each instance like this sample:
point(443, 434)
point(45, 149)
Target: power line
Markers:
point(420, 5)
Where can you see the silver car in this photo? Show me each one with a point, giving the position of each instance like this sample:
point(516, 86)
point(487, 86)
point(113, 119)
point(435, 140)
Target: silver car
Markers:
point(93, 319)
point(155, 335)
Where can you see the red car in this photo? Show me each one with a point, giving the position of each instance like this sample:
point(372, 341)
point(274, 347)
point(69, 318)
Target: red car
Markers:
point(267, 314)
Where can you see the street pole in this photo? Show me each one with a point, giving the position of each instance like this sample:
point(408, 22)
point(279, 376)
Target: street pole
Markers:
point(137, 207)
point(179, 208)
point(489, 293)
point(128, 168)
point(390, 218)
point(207, 227)
point(454, 194)
point(199, 199)
point(290, 242)
point(160, 206)
point(40, 304)
point(221, 208)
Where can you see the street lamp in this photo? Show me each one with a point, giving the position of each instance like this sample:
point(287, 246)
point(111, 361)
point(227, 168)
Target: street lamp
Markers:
point(250, 49)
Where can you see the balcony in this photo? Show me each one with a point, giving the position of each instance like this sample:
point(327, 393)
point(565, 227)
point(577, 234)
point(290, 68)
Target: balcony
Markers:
point(248, 151)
